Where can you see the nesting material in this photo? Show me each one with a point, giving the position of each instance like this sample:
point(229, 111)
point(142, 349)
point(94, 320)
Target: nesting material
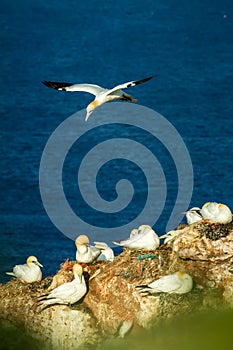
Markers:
point(202, 250)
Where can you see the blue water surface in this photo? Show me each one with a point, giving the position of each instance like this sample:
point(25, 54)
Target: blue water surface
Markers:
point(188, 44)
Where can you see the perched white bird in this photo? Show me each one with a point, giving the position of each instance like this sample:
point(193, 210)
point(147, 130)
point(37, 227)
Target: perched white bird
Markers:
point(102, 95)
point(193, 215)
point(85, 253)
point(107, 253)
point(146, 239)
point(29, 272)
point(176, 283)
point(67, 293)
point(216, 212)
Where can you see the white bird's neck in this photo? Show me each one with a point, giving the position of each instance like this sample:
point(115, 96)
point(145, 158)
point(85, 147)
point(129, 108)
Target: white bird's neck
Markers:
point(82, 249)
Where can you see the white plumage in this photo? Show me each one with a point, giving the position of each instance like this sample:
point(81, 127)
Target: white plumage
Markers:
point(102, 95)
point(29, 272)
point(176, 283)
point(145, 238)
point(67, 293)
point(107, 253)
point(216, 212)
point(193, 215)
point(85, 253)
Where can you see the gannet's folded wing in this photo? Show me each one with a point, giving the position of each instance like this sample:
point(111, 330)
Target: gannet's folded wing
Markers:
point(129, 84)
point(90, 88)
point(19, 271)
point(166, 284)
point(135, 238)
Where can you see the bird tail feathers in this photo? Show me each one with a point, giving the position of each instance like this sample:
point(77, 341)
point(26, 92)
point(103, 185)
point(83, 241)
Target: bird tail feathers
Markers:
point(144, 289)
point(10, 274)
point(42, 297)
point(117, 243)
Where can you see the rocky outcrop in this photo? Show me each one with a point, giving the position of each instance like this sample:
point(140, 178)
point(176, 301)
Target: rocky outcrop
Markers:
point(58, 327)
point(203, 250)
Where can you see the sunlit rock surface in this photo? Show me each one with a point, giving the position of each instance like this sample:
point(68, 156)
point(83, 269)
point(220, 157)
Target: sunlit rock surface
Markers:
point(203, 250)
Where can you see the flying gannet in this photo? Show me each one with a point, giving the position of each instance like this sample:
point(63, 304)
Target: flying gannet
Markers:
point(101, 94)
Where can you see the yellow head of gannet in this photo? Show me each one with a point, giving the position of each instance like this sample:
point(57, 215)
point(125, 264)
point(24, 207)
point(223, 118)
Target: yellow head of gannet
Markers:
point(82, 240)
point(32, 260)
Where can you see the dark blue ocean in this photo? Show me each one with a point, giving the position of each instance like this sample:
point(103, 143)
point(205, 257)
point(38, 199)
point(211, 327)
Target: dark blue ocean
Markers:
point(188, 44)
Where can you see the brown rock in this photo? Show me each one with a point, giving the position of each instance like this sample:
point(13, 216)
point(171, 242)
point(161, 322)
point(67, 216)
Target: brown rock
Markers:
point(203, 250)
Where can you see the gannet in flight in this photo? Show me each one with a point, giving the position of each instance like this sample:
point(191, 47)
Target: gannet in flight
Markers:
point(101, 94)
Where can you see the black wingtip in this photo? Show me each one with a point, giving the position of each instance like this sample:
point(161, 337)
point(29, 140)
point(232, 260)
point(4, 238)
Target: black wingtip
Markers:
point(50, 84)
point(46, 83)
point(56, 85)
point(145, 79)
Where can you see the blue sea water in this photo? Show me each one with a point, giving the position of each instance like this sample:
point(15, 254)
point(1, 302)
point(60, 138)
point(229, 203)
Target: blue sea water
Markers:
point(188, 44)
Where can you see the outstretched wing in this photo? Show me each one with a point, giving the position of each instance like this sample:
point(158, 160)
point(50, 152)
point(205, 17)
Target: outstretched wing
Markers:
point(90, 88)
point(129, 84)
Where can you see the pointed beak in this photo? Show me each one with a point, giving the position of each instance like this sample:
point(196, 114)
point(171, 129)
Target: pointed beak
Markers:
point(80, 277)
point(39, 264)
point(164, 236)
point(88, 115)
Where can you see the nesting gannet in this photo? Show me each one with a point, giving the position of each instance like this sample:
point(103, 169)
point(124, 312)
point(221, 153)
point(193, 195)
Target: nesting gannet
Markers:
point(176, 283)
point(102, 95)
point(67, 293)
point(107, 253)
point(216, 212)
point(85, 253)
point(193, 215)
point(29, 272)
point(146, 239)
